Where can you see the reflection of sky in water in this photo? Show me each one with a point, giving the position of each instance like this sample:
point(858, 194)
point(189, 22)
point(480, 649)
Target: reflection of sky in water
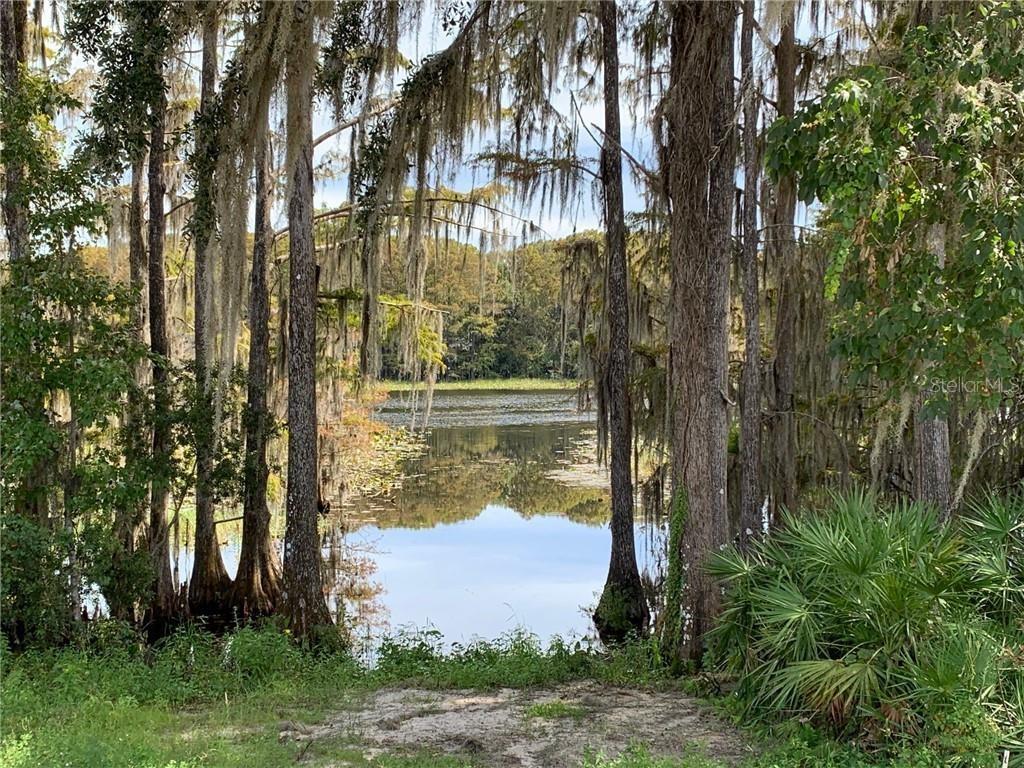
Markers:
point(496, 572)
point(480, 540)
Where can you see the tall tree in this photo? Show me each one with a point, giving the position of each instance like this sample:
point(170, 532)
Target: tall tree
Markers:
point(784, 251)
point(209, 582)
point(305, 606)
point(622, 608)
point(699, 164)
point(257, 588)
point(163, 608)
point(131, 516)
point(933, 474)
point(750, 399)
point(14, 23)
point(14, 40)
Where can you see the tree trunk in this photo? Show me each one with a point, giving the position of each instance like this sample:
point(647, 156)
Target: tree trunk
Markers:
point(13, 24)
point(622, 609)
point(162, 610)
point(933, 474)
point(209, 584)
point(750, 401)
point(304, 603)
point(130, 518)
point(699, 160)
point(257, 589)
point(784, 246)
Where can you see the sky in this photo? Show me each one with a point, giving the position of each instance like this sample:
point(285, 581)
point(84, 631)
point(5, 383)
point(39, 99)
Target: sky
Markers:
point(583, 215)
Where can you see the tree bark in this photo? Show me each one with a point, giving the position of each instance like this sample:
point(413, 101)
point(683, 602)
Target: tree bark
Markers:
point(699, 163)
point(932, 466)
point(933, 474)
point(14, 23)
point(129, 520)
point(784, 247)
point(257, 588)
point(750, 400)
point(622, 609)
point(209, 584)
point(162, 610)
point(304, 603)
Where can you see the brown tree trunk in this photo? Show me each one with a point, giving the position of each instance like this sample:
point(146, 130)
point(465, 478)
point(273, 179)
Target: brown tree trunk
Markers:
point(137, 252)
point(750, 400)
point(130, 518)
point(699, 166)
point(13, 26)
point(162, 610)
point(933, 474)
point(304, 604)
point(622, 609)
point(209, 585)
point(785, 256)
point(257, 589)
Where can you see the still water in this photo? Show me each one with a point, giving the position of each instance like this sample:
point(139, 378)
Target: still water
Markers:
point(501, 523)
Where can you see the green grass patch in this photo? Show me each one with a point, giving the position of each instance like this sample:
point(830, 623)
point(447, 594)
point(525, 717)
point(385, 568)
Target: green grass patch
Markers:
point(551, 710)
point(196, 700)
point(637, 756)
point(485, 385)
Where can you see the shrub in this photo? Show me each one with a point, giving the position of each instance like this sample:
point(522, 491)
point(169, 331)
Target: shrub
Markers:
point(256, 655)
point(882, 623)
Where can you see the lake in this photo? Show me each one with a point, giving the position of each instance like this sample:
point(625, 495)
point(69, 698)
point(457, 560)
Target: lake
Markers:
point(501, 523)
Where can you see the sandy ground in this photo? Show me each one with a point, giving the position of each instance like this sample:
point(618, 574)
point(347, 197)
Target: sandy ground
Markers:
point(496, 728)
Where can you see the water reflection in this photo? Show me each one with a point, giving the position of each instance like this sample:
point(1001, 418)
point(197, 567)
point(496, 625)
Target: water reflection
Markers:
point(467, 468)
point(500, 523)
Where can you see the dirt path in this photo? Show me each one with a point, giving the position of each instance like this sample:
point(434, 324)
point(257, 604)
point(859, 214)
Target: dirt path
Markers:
point(549, 728)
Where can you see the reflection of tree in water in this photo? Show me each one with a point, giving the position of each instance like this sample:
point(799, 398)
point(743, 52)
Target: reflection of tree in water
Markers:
point(531, 492)
point(467, 468)
point(349, 572)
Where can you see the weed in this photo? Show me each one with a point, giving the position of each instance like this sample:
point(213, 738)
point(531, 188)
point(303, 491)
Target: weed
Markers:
point(551, 710)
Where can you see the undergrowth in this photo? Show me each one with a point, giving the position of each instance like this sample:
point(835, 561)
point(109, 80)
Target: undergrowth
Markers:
point(884, 627)
point(197, 699)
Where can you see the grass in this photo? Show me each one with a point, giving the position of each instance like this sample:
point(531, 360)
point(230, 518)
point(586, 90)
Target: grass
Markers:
point(553, 710)
point(196, 701)
point(637, 756)
point(489, 385)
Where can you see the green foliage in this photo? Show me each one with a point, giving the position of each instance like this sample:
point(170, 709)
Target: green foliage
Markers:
point(490, 385)
point(516, 660)
point(929, 134)
point(517, 342)
point(201, 700)
point(549, 710)
point(671, 620)
point(637, 756)
point(68, 357)
point(192, 417)
point(129, 42)
point(880, 622)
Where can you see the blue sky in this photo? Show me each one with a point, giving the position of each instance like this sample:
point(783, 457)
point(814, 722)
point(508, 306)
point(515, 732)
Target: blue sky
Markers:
point(583, 214)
